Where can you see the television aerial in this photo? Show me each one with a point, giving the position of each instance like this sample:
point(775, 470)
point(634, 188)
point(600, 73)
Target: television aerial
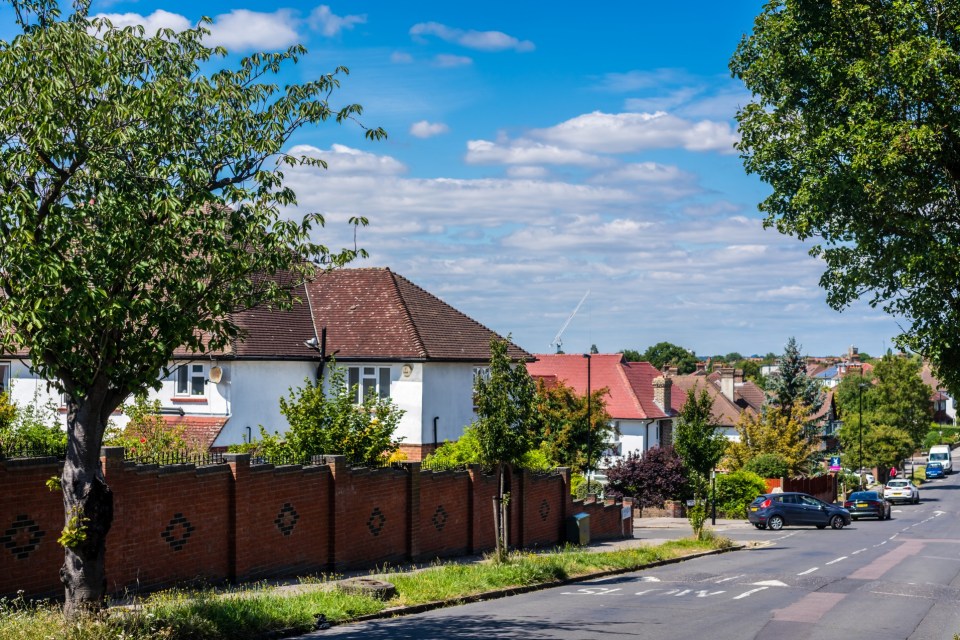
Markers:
point(558, 340)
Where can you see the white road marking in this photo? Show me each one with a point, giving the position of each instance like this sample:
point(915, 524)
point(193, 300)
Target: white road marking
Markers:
point(803, 573)
point(640, 593)
point(837, 560)
point(748, 593)
point(649, 579)
point(591, 591)
point(705, 594)
point(769, 583)
point(722, 580)
point(858, 551)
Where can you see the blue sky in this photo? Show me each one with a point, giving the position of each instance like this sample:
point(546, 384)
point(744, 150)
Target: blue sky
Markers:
point(537, 151)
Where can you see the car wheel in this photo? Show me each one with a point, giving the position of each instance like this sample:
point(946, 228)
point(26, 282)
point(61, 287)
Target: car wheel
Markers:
point(775, 523)
point(836, 522)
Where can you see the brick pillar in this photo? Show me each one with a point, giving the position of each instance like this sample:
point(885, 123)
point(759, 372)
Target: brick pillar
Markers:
point(338, 469)
point(238, 550)
point(628, 523)
point(413, 510)
point(112, 460)
point(520, 498)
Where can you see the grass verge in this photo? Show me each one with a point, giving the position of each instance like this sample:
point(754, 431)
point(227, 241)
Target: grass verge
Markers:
point(259, 610)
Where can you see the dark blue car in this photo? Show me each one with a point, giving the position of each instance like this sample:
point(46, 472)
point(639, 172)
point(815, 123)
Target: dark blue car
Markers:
point(774, 510)
point(934, 470)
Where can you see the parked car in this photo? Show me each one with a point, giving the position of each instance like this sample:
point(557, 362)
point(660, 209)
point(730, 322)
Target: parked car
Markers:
point(901, 490)
point(867, 504)
point(775, 510)
point(934, 470)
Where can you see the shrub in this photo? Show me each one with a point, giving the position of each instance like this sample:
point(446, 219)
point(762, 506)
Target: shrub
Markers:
point(658, 475)
point(31, 428)
point(768, 465)
point(734, 491)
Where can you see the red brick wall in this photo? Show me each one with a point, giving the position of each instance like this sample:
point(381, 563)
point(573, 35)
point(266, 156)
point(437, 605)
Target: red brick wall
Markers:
point(237, 521)
point(31, 519)
point(445, 514)
point(170, 524)
point(285, 510)
point(371, 521)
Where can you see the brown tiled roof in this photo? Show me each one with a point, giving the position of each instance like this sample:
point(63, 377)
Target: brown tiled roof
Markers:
point(725, 412)
point(751, 394)
point(198, 431)
point(378, 314)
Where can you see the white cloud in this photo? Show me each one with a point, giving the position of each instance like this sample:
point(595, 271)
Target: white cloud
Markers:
point(527, 172)
point(424, 129)
point(527, 152)
point(479, 40)
point(644, 79)
point(629, 132)
point(322, 19)
point(399, 57)
point(646, 172)
point(242, 30)
point(446, 60)
point(343, 160)
point(152, 23)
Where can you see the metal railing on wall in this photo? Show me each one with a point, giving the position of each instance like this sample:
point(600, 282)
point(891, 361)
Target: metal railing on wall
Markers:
point(17, 449)
point(167, 458)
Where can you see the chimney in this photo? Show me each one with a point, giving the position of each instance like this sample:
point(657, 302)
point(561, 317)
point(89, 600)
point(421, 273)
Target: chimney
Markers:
point(701, 368)
point(661, 393)
point(738, 377)
point(727, 382)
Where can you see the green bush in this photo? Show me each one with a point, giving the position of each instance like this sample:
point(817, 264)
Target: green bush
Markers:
point(736, 490)
point(939, 434)
point(768, 465)
point(30, 428)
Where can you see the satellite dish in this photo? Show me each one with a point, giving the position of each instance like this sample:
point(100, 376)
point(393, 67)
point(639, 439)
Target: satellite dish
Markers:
point(216, 374)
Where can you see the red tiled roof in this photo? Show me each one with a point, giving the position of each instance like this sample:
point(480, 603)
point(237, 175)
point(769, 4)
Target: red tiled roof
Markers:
point(751, 394)
point(606, 371)
point(200, 431)
point(641, 376)
point(376, 313)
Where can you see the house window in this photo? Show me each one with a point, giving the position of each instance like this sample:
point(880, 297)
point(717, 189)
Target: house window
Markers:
point(191, 379)
point(369, 380)
point(4, 377)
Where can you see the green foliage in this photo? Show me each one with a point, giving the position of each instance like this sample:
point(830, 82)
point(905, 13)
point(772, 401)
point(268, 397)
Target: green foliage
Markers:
point(53, 484)
point(31, 428)
point(632, 355)
point(329, 422)
point(940, 435)
point(887, 446)
point(74, 531)
point(768, 465)
point(900, 397)
point(506, 409)
point(696, 438)
point(466, 451)
point(697, 515)
point(774, 431)
point(790, 384)
point(146, 435)
point(666, 353)
point(561, 424)
point(851, 126)
point(734, 491)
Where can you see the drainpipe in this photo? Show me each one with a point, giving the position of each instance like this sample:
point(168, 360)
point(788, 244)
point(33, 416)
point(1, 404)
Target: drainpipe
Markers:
point(436, 443)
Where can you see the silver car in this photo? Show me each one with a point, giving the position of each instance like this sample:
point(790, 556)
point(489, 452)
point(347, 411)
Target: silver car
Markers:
point(901, 490)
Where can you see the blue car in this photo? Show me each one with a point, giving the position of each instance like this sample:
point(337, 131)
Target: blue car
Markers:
point(934, 470)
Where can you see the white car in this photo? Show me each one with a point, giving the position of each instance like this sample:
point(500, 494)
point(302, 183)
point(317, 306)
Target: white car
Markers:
point(901, 490)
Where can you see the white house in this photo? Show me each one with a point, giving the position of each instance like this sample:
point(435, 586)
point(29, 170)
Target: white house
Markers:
point(391, 336)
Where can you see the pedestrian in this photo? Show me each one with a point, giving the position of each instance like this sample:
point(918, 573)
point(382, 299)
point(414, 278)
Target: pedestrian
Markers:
point(893, 472)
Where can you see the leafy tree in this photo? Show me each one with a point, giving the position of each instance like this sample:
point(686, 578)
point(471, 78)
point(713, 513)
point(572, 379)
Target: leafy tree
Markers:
point(328, 421)
point(139, 209)
point(733, 357)
point(506, 414)
point(791, 384)
point(901, 398)
point(562, 427)
point(854, 128)
point(632, 355)
point(774, 431)
point(734, 491)
point(665, 353)
point(700, 445)
point(656, 476)
point(849, 394)
point(768, 465)
point(887, 447)
point(593, 349)
point(8, 412)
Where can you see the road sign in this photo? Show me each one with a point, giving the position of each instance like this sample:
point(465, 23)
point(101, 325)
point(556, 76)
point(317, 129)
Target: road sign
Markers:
point(834, 463)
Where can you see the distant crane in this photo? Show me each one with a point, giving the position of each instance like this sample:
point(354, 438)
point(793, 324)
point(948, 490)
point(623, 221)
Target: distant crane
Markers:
point(558, 341)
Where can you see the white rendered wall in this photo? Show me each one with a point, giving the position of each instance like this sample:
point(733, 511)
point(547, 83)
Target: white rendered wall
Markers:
point(448, 396)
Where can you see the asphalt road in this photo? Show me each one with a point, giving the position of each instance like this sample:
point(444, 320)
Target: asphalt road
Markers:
point(873, 580)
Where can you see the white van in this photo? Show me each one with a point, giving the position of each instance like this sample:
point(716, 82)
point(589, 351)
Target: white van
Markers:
point(941, 453)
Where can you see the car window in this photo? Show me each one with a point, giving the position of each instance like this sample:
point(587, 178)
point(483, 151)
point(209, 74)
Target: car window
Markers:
point(810, 502)
point(863, 495)
point(789, 499)
point(897, 483)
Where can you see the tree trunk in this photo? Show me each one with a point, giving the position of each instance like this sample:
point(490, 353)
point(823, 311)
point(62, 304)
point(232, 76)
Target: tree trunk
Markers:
point(88, 512)
point(498, 514)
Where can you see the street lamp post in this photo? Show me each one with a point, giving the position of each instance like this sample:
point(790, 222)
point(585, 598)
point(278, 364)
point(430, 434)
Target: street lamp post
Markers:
point(860, 397)
point(589, 423)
